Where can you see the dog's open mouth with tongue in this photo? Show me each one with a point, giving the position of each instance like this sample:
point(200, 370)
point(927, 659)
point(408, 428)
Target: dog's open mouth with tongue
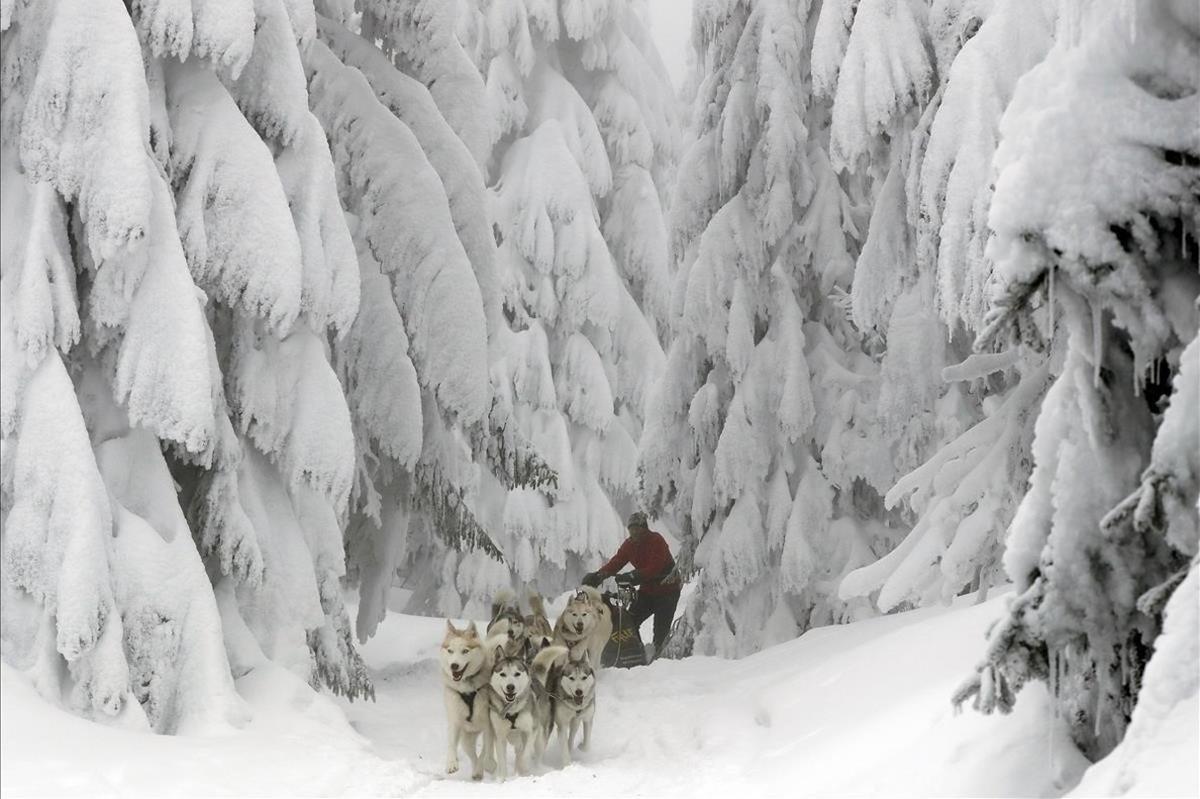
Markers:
point(457, 672)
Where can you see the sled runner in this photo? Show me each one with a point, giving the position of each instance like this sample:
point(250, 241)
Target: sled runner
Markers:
point(624, 648)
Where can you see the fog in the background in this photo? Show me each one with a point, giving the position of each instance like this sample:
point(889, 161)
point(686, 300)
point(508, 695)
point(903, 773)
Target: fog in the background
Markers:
point(671, 24)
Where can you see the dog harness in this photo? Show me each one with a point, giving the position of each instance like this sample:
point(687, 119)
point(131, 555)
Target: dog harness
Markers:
point(577, 707)
point(520, 701)
point(469, 701)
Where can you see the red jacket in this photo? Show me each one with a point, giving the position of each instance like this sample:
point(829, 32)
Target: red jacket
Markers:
point(651, 557)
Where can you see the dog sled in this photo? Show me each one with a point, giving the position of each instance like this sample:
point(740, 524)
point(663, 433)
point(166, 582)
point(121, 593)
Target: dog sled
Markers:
point(624, 649)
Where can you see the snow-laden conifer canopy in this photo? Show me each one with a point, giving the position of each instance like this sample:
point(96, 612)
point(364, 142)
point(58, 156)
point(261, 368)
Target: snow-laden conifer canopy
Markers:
point(318, 317)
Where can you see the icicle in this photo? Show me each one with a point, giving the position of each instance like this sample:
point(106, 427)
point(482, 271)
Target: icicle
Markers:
point(1130, 12)
point(1050, 307)
point(1054, 727)
point(1097, 344)
point(1055, 709)
point(1103, 681)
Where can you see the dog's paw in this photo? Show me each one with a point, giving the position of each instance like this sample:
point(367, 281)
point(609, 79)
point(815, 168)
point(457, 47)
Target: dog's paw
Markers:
point(583, 746)
point(452, 768)
point(477, 776)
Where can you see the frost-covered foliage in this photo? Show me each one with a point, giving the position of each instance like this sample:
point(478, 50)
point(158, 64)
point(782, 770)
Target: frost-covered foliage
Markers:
point(420, 38)
point(1095, 215)
point(958, 428)
point(757, 441)
point(429, 430)
point(584, 140)
point(177, 448)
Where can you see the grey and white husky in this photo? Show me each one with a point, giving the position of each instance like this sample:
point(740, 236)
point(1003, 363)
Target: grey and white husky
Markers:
point(466, 666)
point(572, 688)
point(507, 623)
point(519, 707)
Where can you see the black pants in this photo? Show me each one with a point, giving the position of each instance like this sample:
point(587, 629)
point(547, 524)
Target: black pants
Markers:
point(662, 608)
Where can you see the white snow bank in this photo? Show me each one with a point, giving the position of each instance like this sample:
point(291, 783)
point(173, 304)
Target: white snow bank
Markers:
point(297, 745)
point(861, 709)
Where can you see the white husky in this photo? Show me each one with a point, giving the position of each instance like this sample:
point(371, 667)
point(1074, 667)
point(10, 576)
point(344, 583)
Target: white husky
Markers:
point(466, 667)
point(585, 626)
point(519, 707)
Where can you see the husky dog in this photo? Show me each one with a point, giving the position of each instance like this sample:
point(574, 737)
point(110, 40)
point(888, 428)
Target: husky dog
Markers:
point(572, 689)
point(466, 666)
point(508, 623)
point(538, 632)
point(585, 626)
point(519, 707)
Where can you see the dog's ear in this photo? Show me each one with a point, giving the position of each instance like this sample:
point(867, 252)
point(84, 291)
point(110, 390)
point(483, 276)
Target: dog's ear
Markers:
point(498, 653)
point(450, 628)
point(472, 631)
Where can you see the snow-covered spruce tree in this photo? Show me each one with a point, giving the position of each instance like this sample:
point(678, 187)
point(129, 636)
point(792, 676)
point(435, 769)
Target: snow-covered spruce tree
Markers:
point(757, 441)
point(1095, 214)
point(105, 602)
point(427, 420)
point(193, 259)
point(920, 282)
point(585, 136)
point(258, 213)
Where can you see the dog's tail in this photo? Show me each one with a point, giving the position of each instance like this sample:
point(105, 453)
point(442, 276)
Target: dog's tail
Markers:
point(546, 660)
point(493, 648)
point(503, 598)
point(536, 604)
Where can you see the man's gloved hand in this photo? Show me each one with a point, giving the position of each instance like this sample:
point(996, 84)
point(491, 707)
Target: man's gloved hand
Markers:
point(629, 578)
point(592, 579)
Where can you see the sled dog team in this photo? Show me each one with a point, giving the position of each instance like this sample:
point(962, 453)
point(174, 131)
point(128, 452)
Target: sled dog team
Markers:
point(523, 680)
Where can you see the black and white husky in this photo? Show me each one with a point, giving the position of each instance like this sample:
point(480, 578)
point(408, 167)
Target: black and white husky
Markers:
point(519, 707)
point(572, 688)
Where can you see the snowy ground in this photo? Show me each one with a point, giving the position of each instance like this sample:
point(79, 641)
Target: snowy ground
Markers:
point(855, 710)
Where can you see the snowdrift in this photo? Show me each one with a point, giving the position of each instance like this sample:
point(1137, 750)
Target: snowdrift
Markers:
point(861, 709)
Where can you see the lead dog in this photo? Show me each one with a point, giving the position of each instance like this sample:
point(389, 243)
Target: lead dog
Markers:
point(584, 626)
point(519, 707)
point(466, 667)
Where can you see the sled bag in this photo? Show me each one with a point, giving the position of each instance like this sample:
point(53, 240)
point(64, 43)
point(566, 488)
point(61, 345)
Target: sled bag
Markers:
point(624, 648)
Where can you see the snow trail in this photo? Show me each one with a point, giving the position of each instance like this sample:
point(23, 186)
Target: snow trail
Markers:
point(859, 709)
point(849, 710)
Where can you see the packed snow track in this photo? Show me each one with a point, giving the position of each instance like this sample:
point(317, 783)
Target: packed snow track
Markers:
point(858, 709)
